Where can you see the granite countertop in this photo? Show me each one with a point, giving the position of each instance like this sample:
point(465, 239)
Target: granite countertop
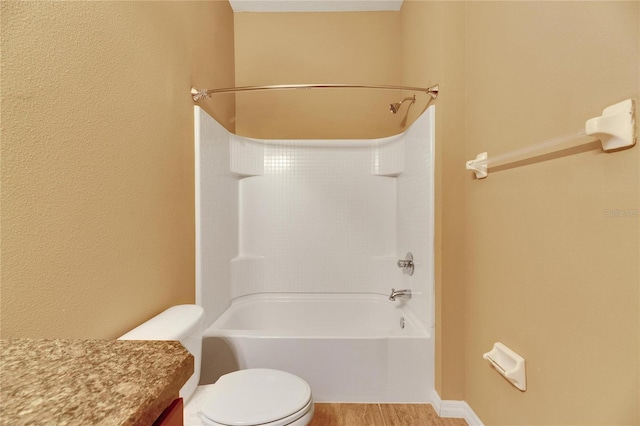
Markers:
point(89, 382)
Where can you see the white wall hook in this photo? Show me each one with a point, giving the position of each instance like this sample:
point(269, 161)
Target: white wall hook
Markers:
point(509, 364)
point(615, 127)
point(478, 165)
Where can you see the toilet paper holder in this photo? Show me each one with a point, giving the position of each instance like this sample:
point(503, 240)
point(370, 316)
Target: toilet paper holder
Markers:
point(509, 364)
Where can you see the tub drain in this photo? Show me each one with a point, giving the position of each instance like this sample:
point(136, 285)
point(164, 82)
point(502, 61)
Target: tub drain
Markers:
point(401, 322)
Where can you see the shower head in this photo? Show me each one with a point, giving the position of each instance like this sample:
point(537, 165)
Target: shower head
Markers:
point(395, 107)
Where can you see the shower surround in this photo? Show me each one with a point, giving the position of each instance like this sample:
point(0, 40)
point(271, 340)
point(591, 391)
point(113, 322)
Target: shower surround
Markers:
point(316, 224)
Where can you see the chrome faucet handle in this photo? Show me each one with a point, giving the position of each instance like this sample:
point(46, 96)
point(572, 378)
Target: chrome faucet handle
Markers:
point(406, 264)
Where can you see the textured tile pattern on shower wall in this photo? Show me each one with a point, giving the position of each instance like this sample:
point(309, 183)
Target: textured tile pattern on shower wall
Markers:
point(216, 215)
point(315, 221)
point(416, 213)
point(247, 156)
point(387, 158)
point(313, 216)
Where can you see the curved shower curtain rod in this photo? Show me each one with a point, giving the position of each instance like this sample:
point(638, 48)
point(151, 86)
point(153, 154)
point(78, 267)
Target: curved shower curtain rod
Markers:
point(199, 94)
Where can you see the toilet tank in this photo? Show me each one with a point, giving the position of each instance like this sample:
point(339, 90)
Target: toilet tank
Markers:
point(182, 323)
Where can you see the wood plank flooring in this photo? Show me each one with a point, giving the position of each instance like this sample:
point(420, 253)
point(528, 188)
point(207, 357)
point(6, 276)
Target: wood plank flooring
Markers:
point(327, 414)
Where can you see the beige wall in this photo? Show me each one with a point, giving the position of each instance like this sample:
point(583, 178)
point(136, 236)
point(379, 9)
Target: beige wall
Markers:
point(97, 185)
point(528, 256)
point(433, 52)
point(300, 48)
point(547, 272)
point(97, 159)
point(522, 269)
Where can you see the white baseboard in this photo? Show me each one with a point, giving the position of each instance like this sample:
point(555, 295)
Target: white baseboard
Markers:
point(457, 409)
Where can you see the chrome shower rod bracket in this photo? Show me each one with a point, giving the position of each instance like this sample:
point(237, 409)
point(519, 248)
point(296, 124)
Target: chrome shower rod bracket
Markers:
point(200, 94)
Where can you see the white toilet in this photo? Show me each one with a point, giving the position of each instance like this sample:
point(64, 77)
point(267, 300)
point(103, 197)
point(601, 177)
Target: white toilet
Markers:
point(251, 397)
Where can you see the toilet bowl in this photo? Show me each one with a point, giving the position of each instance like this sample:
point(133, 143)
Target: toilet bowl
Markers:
point(257, 397)
point(251, 397)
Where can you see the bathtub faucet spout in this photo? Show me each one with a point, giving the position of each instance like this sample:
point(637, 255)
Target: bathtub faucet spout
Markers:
point(406, 293)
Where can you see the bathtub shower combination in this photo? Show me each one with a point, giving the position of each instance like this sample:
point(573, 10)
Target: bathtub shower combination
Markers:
point(298, 243)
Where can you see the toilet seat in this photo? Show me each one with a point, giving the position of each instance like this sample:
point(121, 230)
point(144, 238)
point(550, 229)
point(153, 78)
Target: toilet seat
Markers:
point(257, 397)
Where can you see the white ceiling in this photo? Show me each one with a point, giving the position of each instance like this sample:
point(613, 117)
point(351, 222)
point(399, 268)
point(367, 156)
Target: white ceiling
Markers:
point(315, 5)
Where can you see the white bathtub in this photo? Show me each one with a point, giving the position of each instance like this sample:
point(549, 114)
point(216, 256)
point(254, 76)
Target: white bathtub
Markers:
point(350, 348)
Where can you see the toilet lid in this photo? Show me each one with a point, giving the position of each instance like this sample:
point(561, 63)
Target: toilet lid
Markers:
point(255, 396)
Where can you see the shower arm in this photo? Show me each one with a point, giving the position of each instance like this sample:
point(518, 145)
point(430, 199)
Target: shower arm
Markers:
point(199, 94)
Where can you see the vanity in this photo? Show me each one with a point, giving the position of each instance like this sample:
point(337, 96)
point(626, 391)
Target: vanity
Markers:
point(92, 382)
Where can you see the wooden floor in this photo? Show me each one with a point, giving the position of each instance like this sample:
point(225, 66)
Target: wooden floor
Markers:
point(379, 415)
